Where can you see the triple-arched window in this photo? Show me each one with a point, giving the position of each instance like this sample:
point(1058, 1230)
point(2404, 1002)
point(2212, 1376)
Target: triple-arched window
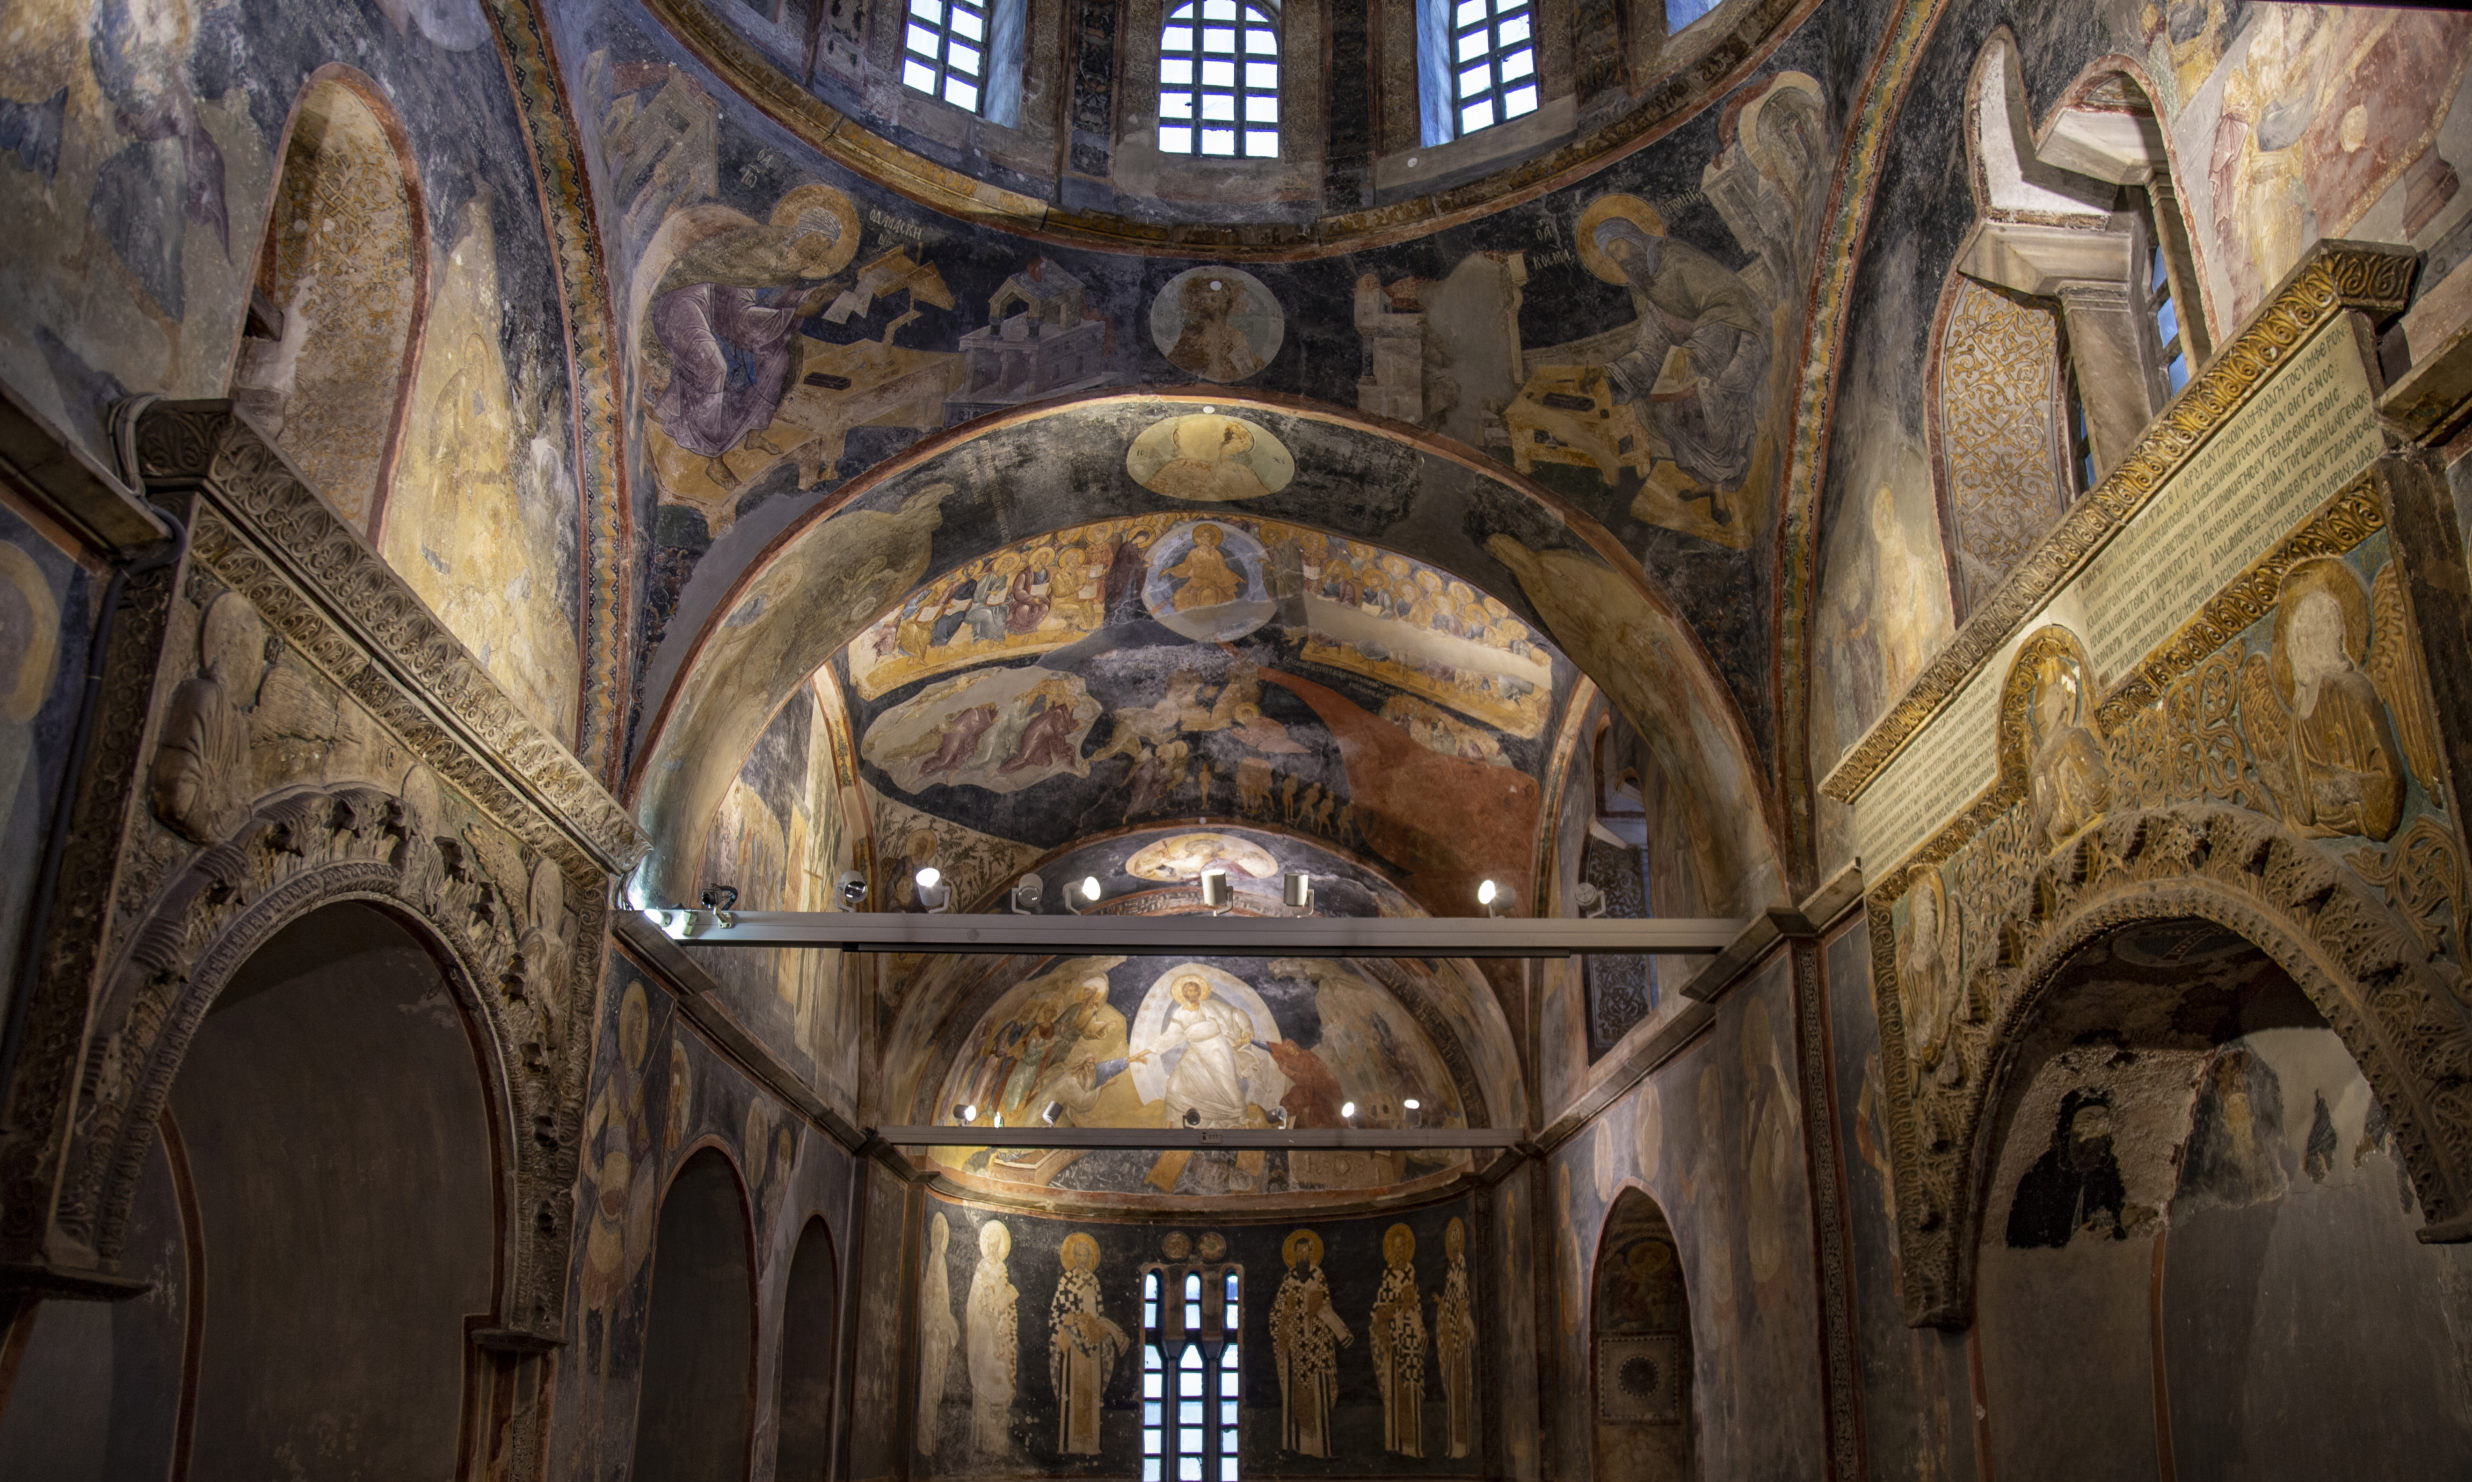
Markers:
point(1219, 80)
point(1192, 1373)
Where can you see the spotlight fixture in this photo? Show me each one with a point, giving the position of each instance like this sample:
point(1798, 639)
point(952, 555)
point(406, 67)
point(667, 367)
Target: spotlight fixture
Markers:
point(1217, 893)
point(933, 893)
point(1347, 1110)
point(1054, 1110)
point(722, 901)
point(1412, 1106)
point(1082, 894)
point(1493, 896)
point(1296, 888)
point(1027, 892)
point(1412, 1103)
point(970, 1113)
point(853, 890)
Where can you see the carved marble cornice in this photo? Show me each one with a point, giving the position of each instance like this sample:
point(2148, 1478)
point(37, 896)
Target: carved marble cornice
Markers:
point(2336, 278)
point(321, 584)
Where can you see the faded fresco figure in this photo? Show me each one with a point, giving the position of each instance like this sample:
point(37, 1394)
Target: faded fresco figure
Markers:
point(622, 1187)
point(2074, 1188)
point(2315, 722)
point(2069, 781)
point(1928, 956)
point(1213, 1066)
point(201, 768)
point(1398, 1328)
point(727, 315)
point(1454, 1342)
point(1305, 1333)
point(938, 1333)
point(1204, 577)
point(995, 1343)
point(1689, 301)
point(1083, 1347)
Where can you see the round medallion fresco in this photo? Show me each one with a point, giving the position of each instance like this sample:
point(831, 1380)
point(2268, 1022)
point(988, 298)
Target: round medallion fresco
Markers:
point(1217, 323)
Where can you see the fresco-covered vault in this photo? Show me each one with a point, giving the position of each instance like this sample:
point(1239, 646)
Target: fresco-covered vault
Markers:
point(1969, 497)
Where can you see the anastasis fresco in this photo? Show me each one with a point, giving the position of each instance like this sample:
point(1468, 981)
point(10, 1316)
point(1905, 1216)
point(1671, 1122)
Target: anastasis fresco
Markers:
point(1138, 1042)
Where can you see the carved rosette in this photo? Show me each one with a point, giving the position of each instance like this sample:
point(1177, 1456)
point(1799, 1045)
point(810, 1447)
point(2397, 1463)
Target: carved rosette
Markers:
point(2360, 964)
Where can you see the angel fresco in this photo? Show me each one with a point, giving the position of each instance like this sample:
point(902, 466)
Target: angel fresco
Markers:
point(726, 313)
point(2316, 724)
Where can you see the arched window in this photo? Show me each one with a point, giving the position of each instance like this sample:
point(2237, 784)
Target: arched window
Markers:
point(944, 51)
point(1218, 80)
point(1192, 1374)
point(1493, 57)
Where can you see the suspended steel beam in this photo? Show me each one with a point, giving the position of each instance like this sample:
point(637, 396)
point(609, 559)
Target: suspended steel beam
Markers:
point(1201, 1137)
point(1223, 936)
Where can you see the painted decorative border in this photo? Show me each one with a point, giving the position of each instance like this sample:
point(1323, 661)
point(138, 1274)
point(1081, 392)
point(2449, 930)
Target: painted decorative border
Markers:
point(596, 373)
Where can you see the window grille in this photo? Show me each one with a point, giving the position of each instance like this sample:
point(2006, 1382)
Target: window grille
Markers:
point(1192, 1377)
point(1219, 80)
point(1493, 51)
point(944, 51)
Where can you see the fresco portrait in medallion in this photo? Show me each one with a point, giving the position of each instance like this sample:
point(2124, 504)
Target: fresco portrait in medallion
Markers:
point(1208, 458)
point(1217, 323)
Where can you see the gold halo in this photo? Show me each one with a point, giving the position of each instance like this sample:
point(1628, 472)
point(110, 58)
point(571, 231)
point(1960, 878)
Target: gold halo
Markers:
point(2325, 574)
point(24, 699)
point(1405, 1238)
point(1080, 1253)
point(797, 203)
point(1604, 208)
point(1302, 1248)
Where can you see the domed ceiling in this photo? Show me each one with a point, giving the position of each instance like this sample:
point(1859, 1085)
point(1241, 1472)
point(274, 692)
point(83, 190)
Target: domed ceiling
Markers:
point(1062, 140)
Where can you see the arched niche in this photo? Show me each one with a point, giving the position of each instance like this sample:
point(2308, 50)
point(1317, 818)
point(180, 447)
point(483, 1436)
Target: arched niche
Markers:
point(695, 1412)
point(2358, 966)
point(336, 306)
point(810, 1345)
point(321, 1214)
point(1639, 1322)
point(760, 618)
point(2198, 1252)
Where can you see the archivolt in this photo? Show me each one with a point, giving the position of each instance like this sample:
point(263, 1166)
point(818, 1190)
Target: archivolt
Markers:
point(2359, 964)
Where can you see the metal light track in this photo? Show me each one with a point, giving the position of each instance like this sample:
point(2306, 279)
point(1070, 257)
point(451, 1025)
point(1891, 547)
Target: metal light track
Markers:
point(1201, 1137)
point(1225, 936)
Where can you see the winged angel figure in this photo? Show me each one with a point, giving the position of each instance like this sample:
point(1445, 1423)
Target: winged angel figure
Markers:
point(2339, 708)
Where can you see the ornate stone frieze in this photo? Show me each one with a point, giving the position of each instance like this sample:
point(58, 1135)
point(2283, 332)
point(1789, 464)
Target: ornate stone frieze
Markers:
point(323, 587)
point(283, 726)
point(2367, 973)
point(514, 938)
point(2336, 278)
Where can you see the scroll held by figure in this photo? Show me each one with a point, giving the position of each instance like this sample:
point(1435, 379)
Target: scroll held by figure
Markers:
point(1399, 1346)
point(995, 1347)
point(1305, 1334)
point(1082, 1347)
point(1454, 1341)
